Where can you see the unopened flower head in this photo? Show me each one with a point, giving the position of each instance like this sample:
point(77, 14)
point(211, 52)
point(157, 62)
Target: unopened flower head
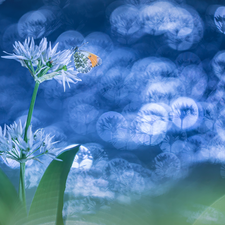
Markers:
point(44, 62)
point(13, 146)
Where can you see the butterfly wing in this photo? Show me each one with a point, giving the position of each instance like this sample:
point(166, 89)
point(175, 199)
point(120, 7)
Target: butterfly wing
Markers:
point(95, 60)
point(85, 61)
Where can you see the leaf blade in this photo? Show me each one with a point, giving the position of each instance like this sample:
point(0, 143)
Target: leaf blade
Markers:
point(208, 215)
point(47, 203)
point(9, 202)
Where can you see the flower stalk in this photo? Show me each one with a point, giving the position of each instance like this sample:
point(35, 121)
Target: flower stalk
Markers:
point(33, 99)
point(22, 193)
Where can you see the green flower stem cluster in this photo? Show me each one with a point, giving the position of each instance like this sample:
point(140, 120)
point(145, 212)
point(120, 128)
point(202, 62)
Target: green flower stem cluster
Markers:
point(44, 63)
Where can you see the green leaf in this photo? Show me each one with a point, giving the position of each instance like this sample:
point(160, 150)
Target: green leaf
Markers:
point(214, 214)
point(47, 205)
point(11, 208)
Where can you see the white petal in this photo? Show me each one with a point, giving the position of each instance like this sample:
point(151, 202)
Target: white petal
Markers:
point(14, 57)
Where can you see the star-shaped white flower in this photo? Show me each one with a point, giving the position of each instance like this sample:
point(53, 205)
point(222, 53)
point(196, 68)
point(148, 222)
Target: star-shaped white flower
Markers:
point(67, 76)
point(27, 52)
point(45, 63)
point(12, 143)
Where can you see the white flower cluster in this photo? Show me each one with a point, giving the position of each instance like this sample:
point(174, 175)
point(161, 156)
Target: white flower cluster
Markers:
point(44, 62)
point(13, 146)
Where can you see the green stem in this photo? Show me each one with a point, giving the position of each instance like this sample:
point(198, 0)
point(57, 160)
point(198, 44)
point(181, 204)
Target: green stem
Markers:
point(31, 110)
point(22, 193)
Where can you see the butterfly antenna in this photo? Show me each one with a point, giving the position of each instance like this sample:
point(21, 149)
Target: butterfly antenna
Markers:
point(84, 44)
point(76, 48)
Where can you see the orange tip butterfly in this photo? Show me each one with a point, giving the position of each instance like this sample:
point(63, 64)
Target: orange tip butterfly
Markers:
point(84, 61)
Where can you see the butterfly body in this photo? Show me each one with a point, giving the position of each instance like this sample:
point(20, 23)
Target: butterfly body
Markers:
point(85, 61)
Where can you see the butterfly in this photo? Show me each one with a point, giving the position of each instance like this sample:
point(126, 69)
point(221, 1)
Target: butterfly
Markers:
point(84, 61)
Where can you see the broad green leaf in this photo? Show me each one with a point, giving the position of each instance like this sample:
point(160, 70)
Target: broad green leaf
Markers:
point(10, 206)
point(214, 214)
point(47, 205)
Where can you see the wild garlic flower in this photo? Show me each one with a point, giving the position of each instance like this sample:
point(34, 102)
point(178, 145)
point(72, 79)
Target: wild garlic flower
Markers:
point(13, 146)
point(44, 62)
point(27, 52)
point(67, 76)
point(54, 59)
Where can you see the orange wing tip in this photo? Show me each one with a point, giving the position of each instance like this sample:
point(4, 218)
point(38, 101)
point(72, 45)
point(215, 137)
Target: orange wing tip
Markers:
point(95, 60)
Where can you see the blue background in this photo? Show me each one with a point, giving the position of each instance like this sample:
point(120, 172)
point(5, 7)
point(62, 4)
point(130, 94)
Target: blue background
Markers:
point(151, 118)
